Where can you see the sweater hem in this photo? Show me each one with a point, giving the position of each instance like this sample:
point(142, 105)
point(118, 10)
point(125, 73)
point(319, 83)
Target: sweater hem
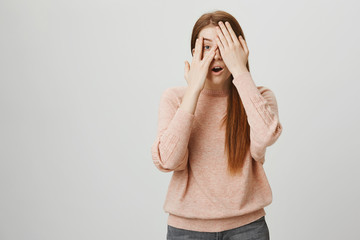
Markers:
point(214, 225)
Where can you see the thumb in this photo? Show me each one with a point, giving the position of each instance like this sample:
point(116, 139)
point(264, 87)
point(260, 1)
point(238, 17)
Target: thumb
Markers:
point(186, 68)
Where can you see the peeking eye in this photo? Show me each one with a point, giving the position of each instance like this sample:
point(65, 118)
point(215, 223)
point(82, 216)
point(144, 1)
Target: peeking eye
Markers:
point(206, 46)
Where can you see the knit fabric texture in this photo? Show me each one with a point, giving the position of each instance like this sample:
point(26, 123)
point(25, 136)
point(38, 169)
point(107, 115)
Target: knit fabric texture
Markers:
point(201, 195)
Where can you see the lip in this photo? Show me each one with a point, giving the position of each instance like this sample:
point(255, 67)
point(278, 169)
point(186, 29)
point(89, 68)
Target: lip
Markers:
point(217, 73)
point(217, 66)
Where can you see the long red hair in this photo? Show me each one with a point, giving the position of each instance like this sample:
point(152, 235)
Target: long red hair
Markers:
point(237, 136)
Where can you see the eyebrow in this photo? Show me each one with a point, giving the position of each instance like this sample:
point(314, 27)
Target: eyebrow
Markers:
point(207, 39)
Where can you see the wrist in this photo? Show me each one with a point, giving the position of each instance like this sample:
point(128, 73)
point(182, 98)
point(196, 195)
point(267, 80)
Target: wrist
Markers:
point(240, 71)
point(193, 90)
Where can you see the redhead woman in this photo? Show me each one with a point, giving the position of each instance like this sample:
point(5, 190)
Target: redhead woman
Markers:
point(213, 135)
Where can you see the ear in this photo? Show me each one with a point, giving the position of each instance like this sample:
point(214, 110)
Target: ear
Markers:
point(193, 51)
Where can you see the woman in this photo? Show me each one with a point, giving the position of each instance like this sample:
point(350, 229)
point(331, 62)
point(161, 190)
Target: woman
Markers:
point(213, 134)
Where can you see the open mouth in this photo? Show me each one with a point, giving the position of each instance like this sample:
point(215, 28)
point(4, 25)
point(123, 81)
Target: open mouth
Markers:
point(217, 69)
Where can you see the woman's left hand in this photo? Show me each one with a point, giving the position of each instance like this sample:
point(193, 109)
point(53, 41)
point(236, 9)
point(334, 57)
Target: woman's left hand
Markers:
point(234, 50)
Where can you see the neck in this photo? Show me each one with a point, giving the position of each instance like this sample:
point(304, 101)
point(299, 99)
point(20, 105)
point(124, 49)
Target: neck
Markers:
point(223, 87)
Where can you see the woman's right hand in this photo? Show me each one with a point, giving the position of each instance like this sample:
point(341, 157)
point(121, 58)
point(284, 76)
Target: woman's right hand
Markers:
point(195, 74)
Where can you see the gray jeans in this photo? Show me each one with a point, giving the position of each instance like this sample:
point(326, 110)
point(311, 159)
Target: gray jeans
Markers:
point(257, 230)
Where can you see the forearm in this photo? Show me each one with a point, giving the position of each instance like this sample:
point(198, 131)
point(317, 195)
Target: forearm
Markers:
point(189, 100)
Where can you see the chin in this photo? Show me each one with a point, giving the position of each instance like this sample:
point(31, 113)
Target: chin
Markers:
point(218, 79)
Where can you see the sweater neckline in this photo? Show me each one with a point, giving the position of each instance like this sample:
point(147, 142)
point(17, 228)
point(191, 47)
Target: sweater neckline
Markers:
point(215, 92)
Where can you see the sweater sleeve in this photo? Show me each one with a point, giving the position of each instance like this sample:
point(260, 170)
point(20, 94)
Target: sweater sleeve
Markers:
point(262, 115)
point(170, 149)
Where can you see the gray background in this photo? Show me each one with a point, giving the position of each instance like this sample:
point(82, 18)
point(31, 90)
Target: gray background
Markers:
point(80, 84)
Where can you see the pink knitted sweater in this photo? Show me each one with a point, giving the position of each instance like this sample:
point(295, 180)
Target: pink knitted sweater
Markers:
point(201, 195)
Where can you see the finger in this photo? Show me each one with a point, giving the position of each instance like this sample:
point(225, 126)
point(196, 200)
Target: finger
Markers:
point(195, 50)
point(243, 44)
point(198, 48)
point(219, 43)
point(209, 57)
point(186, 69)
point(225, 33)
point(246, 47)
point(221, 36)
point(232, 33)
